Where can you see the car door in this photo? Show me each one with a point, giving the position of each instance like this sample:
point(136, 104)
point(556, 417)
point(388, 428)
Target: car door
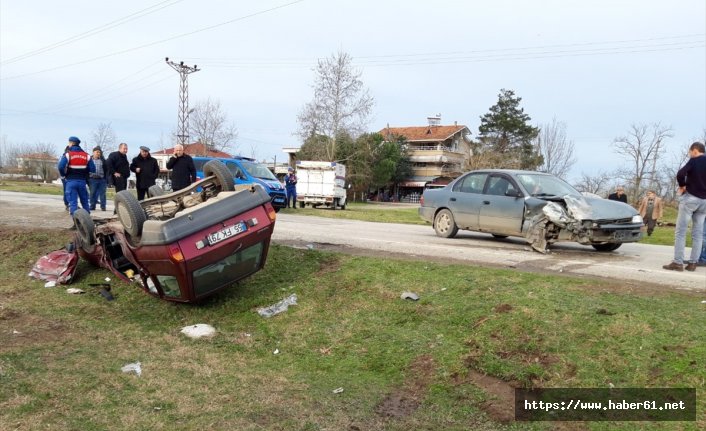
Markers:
point(502, 206)
point(466, 199)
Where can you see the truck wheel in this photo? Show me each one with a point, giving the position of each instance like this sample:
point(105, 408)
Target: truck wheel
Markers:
point(223, 176)
point(130, 212)
point(302, 204)
point(85, 230)
point(155, 191)
point(335, 204)
point(606, 246)
point(444, 224)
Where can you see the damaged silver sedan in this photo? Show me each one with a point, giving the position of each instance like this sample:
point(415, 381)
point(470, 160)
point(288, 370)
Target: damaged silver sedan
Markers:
point(536, 206)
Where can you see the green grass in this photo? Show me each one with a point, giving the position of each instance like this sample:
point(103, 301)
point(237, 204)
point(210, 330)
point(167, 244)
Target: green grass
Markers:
point(39, 188)
point(350, 330)
point(365, 212)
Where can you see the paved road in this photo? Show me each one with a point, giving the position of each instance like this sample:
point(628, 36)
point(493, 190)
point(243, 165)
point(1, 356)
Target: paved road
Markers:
point(633, 263)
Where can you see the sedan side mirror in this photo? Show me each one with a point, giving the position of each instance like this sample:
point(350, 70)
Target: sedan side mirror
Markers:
point(513, 193)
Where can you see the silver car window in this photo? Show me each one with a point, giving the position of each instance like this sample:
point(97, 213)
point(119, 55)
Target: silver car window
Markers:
point(500, 186)
point(545, 185)
point(471, 183)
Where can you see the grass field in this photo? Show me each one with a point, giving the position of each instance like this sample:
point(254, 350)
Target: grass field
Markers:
point(402, 365)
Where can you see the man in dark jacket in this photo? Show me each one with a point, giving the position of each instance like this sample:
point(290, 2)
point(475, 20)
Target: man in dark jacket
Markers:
point(692, 206)
point(76, 165)
point(183, 169)
point(619, 195)
point(146, 169)
point(118, 168)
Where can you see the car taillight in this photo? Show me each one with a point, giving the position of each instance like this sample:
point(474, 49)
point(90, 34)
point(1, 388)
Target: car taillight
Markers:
point(421, 201)
point(175, 253)
point(271, 213)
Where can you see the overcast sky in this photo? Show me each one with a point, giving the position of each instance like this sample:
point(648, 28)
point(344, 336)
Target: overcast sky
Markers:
point(599, 66)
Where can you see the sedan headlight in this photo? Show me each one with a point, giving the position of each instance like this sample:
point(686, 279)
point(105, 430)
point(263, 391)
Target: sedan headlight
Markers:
point(637, 218)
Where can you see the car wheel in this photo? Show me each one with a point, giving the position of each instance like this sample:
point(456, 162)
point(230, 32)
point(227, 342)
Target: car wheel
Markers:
point(444, 224)
point(495, 235)
point(223, 176)
point(343, 206)
point(130, 212)
point(85, 230)
point(155, 191)
point(606, 246)
point(335, 204)
point(302, 204)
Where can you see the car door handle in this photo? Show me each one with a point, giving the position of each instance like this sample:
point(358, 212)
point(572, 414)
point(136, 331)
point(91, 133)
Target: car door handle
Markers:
point(453, 199)
point(486, 202)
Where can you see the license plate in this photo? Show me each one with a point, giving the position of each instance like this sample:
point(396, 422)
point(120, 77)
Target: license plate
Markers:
point(278, 200)
point(226, 233)
point(622, 234)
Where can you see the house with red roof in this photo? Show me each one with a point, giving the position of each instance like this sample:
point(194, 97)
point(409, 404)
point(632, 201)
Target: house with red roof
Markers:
point(437, 153)
point(195, 149)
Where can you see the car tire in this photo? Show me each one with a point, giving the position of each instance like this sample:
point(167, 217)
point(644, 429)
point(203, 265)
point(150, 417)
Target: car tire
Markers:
point(444, 224)
point(302, 204)
point(606, 246)
point(343, 207)
point(155, 191)
point(495, 235)
point(223, 176)
point(130, 212)
point(85, 230)
point(335, 204)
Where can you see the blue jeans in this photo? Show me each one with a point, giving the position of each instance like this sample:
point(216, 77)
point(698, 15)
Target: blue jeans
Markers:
point(702, 258)
point(98, 187)
point(292, 196)
point(694, 209)
point(63, 187)
point(75, 190)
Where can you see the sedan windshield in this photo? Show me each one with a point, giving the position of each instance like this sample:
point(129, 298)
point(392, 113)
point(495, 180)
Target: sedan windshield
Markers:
point(258, 170)
point(545, 185)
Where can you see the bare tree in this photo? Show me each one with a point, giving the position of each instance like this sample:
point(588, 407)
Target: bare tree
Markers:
point(40, 160)
point(643, 147)
point(556, 150)
point(208, 123)
point(104, 136)
point(597, 184)
point(341, 103)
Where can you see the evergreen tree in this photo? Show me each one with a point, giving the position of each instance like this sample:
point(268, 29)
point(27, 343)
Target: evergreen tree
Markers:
point(506, 137)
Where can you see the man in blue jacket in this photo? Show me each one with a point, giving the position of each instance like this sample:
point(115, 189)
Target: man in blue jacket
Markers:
point(76, 165)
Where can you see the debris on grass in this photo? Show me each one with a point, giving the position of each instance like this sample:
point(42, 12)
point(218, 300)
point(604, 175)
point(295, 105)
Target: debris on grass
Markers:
point(276, 352)
point(135, 367)
point(50, 284)
point(75, 291)
point(200, 330)
point(409, 295)
point(338, 390)
point(279, 307)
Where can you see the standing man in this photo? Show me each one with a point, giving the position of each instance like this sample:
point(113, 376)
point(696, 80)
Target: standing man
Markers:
point(651, 210)
point(97, 182)
point(692, 206)
point(147, 169)
point(118, 168)
point(619, 195)
point(75, 165)
point(290, 182)
point(183, 169)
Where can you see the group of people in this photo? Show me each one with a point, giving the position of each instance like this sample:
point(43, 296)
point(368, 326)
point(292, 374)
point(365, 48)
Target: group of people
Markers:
point(86, 177)
point(691, 179)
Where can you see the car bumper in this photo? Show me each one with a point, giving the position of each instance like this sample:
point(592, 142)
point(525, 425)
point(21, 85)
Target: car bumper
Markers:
point(617, 233)
point(427, 213)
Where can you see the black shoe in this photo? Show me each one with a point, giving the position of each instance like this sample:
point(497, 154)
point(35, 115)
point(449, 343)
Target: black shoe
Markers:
point(103, 209)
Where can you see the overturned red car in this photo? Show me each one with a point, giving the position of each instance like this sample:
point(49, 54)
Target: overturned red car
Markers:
point(186, 245)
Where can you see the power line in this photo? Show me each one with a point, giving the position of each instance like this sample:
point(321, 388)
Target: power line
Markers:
point(94, 31)
point(124, 51)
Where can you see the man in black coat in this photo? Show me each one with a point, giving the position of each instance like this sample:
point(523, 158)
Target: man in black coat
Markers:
point(118, 168)
point(146, 169)
point(183, 169)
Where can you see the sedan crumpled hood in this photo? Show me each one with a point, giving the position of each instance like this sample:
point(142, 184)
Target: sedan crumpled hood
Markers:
point(588, 208)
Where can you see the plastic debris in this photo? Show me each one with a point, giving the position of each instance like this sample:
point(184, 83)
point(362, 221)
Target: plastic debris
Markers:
point(279, 307)
point(16, 332)
point(703, 302)
point(50, 284)
point(200, 330)
point(276, 352)
point(310, 246)
point(409, 295)
point(134, 367)
point(107, 279)
point(338, 390)
point(74, 291)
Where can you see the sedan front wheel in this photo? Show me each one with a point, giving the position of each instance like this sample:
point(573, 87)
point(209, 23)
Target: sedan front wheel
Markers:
point(444, 224)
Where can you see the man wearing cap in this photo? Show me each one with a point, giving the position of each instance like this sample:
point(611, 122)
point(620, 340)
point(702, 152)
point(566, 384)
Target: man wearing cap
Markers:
point(290, 182)
point(76, 165)
point(97, 182)
point(146, 169)
point(118, 168)
point(182, 167)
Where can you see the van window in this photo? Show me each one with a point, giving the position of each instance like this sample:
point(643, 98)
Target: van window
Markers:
point(258, 170)
point(235, 170)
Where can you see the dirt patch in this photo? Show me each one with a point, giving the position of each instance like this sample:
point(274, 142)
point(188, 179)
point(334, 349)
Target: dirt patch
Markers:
point(19, 329)
point(502, 308)
point(404, 401)
point(501, 403)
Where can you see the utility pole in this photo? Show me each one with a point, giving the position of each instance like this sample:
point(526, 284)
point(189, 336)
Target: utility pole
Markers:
point(184, 71)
